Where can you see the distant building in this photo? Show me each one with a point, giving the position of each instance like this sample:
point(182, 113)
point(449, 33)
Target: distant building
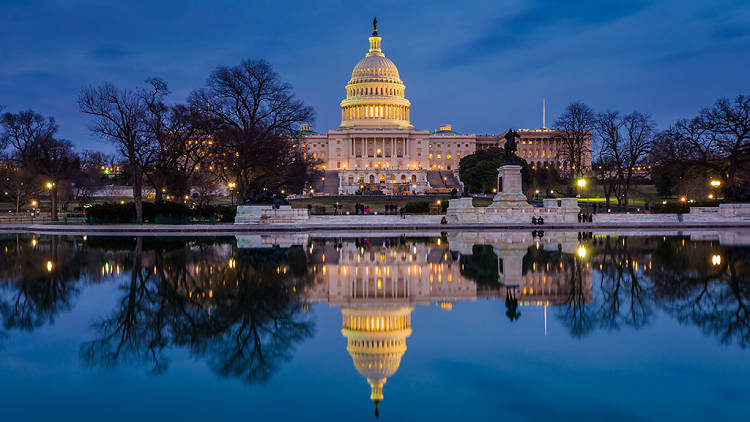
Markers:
point(541, 148)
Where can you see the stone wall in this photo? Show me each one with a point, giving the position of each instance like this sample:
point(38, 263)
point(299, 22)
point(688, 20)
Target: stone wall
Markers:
point(265, 214)
point(250, 214)
point(628, 218)
point(462, 211)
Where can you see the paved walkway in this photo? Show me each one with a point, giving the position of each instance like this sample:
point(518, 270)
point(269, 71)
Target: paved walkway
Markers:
point(349, 226)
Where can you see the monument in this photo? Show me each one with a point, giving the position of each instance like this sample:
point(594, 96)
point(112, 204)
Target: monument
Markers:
point(509, 204)
point(509, 188)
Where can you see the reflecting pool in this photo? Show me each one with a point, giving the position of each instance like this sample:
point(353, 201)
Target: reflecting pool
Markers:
point(452, 326)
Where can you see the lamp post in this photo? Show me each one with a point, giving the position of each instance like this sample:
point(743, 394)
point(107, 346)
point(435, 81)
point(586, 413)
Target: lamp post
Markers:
point(231, 186)
point(50, 185)
point(715, 184)
point(581, 183)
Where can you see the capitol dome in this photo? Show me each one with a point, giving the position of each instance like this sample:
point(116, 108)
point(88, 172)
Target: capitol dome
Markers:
point(376, 341)
point(375, 93)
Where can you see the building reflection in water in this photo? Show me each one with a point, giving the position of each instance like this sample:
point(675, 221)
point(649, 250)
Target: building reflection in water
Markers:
point(377, 282)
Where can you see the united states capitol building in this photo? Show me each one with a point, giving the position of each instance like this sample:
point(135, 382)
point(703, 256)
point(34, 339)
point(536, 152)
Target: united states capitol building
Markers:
point(376, 148)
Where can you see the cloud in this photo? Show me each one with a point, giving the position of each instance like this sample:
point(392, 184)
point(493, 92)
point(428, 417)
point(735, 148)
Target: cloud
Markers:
point(545, 20)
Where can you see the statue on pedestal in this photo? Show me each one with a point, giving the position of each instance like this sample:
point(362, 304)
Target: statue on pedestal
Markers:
point(511, 147)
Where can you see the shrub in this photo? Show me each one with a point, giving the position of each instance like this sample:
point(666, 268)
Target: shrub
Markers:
point(678, 207)
point(417, 207)
point(169, 212)
point(111, 212)
point(226, 213)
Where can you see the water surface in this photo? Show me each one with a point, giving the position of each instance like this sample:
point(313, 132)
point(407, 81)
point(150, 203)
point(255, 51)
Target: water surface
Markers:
point(469, 326)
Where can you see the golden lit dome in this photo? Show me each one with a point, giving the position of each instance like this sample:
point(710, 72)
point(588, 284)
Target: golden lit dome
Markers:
point(375, 69)
point(375, 93)
point(376, 341)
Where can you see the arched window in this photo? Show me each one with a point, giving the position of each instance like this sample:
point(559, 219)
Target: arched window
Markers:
point(403, 178)
point(382, 178)
point(414, 179)
point(372, 178)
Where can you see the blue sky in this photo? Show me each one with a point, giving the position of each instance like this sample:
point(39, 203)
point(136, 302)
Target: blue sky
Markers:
point(482, 66)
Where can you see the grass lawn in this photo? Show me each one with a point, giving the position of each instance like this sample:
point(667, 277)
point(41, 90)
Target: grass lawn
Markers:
point(376, 204)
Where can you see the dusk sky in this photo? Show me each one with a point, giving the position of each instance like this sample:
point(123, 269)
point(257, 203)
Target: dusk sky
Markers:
point(481, 66)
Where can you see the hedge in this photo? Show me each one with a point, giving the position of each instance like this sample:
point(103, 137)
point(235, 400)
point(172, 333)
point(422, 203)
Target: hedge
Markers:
point(678, 207)
point(423, 207)
point(113, 212)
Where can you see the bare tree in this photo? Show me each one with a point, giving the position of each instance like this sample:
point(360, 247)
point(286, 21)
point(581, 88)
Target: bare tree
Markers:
point(609, 164)
point(625, 143)
point(55, 159)
point(120, 116)
point(91, 174)
point(718, 140)
point(576, 124)
point(19, 183)
point(639, 135)
point(31, 137)
point(179, 143)
point(255, 117)
point(728, 126)
point(21, 130)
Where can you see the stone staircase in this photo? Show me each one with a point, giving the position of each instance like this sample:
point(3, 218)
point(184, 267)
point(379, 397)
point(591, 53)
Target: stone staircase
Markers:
point(443, 179)
point(330, 185)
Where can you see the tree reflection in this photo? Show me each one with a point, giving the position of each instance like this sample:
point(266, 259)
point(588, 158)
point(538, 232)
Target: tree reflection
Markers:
point(698, 283)
point(577, 315)
point(706, 286)
point(134, 333)
point(627, 296)
point(37, 279)
point(238, 310)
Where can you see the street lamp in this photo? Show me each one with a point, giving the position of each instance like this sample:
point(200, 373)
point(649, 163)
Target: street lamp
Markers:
point(581, 183)
point(50, 185)
point(715, 185)
point(716, 260)
point(231, 186)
